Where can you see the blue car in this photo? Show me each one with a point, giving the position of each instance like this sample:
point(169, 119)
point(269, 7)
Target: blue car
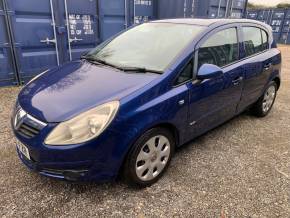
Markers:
point(128, 104)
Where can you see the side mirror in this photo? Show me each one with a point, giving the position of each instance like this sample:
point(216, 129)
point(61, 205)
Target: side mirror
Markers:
point(208, 71)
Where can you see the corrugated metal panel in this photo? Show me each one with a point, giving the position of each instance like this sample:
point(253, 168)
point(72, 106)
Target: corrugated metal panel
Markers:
point(34, 39)
point(172, 9)
point(285, 36)
point(112, 17)
point(47, 33)
point(7, 68)
point(219, 8)
point(51, 33)
point(143, 10)
point(277, 23)
point(278, 19)
point(82, 27)
point(252, 15)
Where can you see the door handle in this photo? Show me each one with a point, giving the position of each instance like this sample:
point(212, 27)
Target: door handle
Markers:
point(237, 81)
point(75, 40)
point(267, 66)
point(48, 41)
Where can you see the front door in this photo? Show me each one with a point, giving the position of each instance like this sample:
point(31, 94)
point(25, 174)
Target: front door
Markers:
point(213, 101)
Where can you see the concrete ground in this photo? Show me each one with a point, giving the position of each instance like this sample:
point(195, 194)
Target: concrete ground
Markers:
point(241, 169)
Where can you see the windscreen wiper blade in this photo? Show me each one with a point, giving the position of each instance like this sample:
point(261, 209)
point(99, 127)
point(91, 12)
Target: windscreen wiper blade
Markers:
point(98, 61)
point(140, 69)
point(126, 69)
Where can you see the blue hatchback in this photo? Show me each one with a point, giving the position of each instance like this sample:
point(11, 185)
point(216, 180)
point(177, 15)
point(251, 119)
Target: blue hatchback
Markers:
point(125, 106)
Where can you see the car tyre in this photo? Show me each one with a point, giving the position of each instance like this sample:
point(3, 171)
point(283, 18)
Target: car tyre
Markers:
point(149, 157)
point(265, 103)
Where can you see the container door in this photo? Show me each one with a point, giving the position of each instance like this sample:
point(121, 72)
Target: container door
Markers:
point(173, 8)
point(237, 8)
point(36, 45)
point(113, 17)
point(236, 13)
point(285, 37)
point(277, 23)
point(81, 26)
point(143, 11)
point(218, 3)
point(252, 15)
point(7, 71)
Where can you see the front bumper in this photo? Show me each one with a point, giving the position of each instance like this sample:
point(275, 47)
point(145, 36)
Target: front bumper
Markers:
point(97, 160)
point(78, 171)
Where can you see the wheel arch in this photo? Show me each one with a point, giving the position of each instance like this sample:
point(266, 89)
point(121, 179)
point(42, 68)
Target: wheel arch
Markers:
point(168, 126)
point(277, 80)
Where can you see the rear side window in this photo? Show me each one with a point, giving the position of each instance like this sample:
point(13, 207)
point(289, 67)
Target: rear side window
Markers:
point(255, 40)
point(220, 49)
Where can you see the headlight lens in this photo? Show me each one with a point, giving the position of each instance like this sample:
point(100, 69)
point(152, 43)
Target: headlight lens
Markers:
point(83, 127)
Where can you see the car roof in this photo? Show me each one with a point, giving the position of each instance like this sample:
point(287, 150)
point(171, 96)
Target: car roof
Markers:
point(207, 22)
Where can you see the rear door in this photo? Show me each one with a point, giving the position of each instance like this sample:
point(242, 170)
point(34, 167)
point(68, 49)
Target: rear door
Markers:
point(213, 101)
point(257, 63)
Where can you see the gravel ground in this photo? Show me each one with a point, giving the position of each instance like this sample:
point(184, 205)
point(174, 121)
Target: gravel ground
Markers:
point(241, 169)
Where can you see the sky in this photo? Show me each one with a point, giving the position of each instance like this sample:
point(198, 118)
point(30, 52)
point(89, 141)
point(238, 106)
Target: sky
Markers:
point(269, 2)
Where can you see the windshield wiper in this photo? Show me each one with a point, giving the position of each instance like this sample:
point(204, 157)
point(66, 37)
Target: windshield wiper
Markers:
point(126, 69)
point(140, 70)
point(98, 61)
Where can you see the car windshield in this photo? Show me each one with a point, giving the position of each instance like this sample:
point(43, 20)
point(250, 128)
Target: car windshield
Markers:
point(148, 47)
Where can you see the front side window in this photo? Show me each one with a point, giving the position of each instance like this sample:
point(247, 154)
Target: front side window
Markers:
point(255, 40)
point(220, 49)
point(151, 45)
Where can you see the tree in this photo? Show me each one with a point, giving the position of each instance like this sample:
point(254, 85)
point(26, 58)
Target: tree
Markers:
point(254, 6)
point(283, 5)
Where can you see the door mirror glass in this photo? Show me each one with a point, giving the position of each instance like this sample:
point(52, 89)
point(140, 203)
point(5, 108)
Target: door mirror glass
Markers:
point(208, 71)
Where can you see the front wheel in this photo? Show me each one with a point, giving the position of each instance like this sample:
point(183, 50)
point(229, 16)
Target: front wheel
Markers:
point(149, 157)
point(265, 103)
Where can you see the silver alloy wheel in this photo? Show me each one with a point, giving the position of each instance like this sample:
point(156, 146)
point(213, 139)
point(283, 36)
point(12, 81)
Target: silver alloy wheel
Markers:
point(269, 98)
point(152, 158)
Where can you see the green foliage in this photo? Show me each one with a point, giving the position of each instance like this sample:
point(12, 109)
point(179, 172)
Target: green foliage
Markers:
point(254, 6)
point(283, 5)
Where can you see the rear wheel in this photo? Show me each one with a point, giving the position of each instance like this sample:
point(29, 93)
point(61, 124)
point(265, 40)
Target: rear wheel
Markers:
point(265, 103)
point(149, 157)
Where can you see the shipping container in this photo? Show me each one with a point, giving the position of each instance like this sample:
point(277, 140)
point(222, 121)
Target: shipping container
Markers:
point(252, 15)
point(38, 35)
point(7, 64)
point(278, 19)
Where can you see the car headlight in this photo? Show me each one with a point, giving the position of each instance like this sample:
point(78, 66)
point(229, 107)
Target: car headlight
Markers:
point(83, 127)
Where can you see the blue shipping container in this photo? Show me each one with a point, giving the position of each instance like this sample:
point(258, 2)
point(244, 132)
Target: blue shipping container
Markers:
point(7, 66)
point(37, 35)
point(50, 33)
point(278, 19)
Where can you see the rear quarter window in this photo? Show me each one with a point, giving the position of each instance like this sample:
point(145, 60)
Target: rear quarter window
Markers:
point(255, 40)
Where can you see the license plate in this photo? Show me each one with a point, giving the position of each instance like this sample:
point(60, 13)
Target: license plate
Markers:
point(23, 150)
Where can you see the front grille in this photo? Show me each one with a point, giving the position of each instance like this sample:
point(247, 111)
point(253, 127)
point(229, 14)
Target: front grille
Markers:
point(27, 131)
point(26, 125)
